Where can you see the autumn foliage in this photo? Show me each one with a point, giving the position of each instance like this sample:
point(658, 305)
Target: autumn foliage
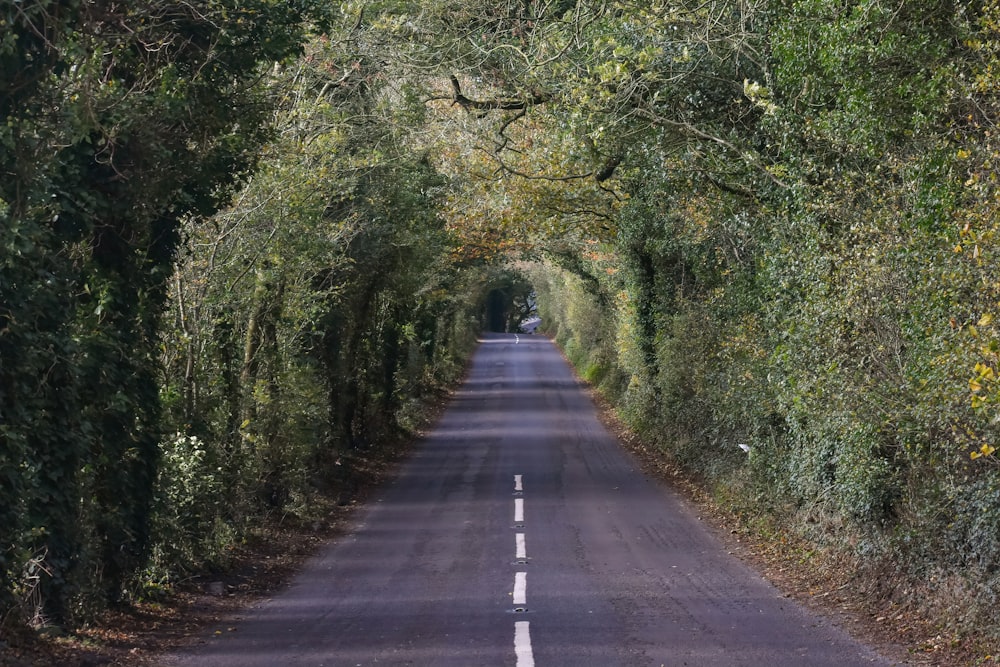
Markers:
point(242, 242)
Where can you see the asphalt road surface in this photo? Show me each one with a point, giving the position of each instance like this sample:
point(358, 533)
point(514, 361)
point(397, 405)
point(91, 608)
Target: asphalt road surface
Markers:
point(519, 533)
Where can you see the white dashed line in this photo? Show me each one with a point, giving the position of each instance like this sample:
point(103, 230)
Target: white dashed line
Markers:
point(522, 637)
point(522, 645)
point(520, 588)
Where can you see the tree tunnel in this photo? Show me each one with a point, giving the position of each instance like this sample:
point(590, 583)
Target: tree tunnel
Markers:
point(510, 300)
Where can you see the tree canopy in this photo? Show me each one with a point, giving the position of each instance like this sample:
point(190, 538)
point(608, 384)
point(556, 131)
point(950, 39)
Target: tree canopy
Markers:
point(242, 243)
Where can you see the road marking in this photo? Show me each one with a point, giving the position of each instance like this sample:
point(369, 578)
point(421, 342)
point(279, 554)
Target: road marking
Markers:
point(522, 645)
point(520, 588)
point(522, 637)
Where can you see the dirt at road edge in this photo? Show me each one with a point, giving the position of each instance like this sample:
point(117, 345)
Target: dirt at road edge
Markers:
point(200, 607)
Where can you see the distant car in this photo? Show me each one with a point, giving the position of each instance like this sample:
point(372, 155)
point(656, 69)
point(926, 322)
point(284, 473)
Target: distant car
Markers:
point(528, 326)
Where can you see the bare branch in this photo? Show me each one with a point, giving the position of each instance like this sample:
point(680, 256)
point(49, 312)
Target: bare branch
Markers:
point(497, 103)
point(504, 168)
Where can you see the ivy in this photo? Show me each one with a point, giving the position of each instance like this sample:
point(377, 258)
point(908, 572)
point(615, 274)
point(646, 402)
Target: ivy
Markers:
point(103, 161)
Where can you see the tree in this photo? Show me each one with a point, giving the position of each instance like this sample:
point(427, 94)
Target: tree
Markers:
point(123, 120)
point(314, 313)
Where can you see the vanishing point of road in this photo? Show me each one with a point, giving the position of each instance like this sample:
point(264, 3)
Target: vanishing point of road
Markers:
point(519, 533)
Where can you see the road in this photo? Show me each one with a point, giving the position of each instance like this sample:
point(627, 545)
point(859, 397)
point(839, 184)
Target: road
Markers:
point(519, 533)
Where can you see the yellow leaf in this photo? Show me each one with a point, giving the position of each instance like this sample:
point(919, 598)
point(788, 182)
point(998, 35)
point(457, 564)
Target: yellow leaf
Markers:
point(986, 450)
point(985, 320)
point(974, 385)
point(974, 455)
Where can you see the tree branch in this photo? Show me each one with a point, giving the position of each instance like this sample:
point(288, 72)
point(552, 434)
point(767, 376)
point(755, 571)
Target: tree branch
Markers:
point(504, 168)
point(691, 130)
point(495, 104)
point(608, 170)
